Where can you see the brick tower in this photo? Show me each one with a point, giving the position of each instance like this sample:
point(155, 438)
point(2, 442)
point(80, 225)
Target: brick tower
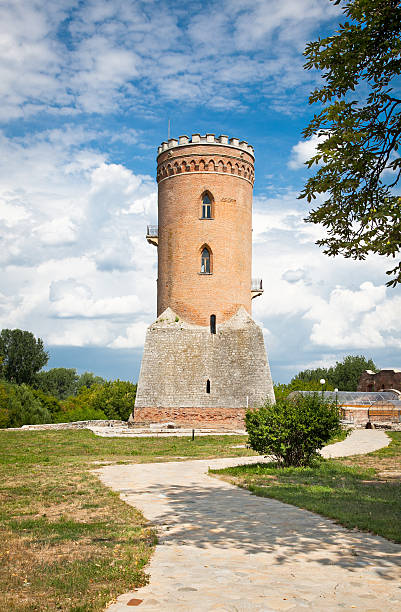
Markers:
point(204, 359)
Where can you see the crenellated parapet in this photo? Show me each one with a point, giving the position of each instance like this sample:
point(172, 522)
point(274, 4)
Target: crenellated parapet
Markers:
point(206, 154)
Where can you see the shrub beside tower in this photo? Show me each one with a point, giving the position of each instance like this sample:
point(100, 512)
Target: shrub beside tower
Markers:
point(204, 358)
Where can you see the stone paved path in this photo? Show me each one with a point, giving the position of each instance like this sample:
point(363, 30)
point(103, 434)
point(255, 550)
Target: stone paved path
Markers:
point(221, 548)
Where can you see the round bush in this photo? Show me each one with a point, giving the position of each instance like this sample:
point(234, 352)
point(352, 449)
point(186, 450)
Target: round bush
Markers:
point(293, 429)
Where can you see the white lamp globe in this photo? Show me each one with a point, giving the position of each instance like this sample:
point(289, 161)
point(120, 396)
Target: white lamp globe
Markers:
point(322, 381)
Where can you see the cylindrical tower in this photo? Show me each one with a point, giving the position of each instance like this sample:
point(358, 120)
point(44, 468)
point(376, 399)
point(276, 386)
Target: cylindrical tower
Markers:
point(204, 359)
point(205, 227)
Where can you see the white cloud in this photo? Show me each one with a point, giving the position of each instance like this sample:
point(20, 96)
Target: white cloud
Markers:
point(68, 251)
point(303, 151)
point(364, 318)
point(134, 337)
point(313, 304)
point(107, 59)
point(56, 232)
point(72, 299)
point(11, 214)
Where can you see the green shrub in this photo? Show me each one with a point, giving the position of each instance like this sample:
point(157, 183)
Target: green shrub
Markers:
point(116, 398)
point(293, 430)
point(79, 413)
point(49, 402)
point(24, 408)
point(18, 406)
point(88, 379)
point(110, 400)
point(59, 382)
point(7, 398)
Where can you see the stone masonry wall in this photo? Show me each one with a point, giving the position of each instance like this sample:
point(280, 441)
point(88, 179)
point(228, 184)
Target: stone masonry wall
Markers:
point(179, 358)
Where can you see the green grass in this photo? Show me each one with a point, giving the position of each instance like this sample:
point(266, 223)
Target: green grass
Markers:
point(81, 446)
point(66, 541)
point(362, 491)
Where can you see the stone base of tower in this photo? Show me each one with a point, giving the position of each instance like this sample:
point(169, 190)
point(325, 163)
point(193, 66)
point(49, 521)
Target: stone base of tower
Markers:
point(192, 377)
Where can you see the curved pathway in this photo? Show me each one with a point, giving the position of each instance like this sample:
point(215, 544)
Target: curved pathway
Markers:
point(220, 548)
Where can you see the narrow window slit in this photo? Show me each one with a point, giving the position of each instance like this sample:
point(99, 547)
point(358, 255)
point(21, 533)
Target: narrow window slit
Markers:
point(208, 386)
point(213, 324)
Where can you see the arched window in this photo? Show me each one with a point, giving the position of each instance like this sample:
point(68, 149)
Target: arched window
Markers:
point(212, 324)
point(206, 207)
point(208, 386)
point(205, 261)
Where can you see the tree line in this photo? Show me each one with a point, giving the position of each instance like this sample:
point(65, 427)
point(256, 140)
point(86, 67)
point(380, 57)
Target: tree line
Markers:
point(344, 376)
point(30, 395)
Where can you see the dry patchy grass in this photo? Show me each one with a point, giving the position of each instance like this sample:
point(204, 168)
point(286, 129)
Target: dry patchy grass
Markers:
point(66, 541)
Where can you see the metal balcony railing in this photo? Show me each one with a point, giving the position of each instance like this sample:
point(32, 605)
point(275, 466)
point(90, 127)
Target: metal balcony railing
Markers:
point(256, 287)
point(152, 234)
point(257, 284)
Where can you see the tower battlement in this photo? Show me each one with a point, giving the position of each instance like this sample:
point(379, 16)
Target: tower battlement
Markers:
point(198, 139)
point(206, 154)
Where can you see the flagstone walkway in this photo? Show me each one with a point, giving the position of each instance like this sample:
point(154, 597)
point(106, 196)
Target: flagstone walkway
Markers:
point(221, 548)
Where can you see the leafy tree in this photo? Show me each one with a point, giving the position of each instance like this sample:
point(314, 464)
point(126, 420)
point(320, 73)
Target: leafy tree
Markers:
point(88, 379)
point(347, 373)
point(59, 382)
point(360, 128)
point(281, 391)
point(116, 398)
point(49, 402)
point(344, 375)
point(22, 355)
point(74, 411)
point(7, 400)
point(18, 406)
point(293, 430)
point(111, 400)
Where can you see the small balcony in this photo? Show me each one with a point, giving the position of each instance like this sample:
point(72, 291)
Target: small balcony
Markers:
point(152, 234)
point(256, 287)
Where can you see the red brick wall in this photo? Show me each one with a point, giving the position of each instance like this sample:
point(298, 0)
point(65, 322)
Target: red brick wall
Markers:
point(385, 379)
point(184, 174)
point(196, 417)
point(384, 413)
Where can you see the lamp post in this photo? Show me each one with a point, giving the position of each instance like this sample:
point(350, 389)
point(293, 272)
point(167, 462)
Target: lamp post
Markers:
point(322, 382)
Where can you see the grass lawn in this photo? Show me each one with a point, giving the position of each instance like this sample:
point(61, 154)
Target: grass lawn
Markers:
point(67, 542)
point(362, 491)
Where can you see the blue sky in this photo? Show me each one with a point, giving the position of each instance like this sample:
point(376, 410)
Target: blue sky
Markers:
point(87, 88)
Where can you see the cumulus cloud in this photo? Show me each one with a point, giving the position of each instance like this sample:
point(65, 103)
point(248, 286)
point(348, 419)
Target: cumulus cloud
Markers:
point(71, 299)
point(106, 58)
point(318, 309)
point(293, 276)
point(134, 337)
point(72, 228)
point(364, 318)
point(303, 151)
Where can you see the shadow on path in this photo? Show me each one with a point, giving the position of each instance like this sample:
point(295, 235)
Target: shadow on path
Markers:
point(220, 515)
